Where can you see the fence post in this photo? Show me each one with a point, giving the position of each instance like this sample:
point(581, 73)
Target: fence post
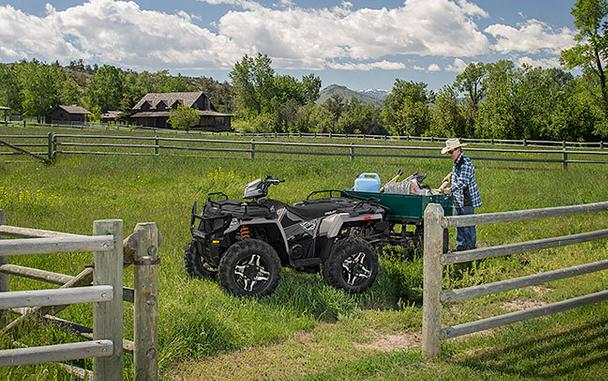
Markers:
point(252, 149)
point(4, 278)
point(146, 302)
point(51, 146)
point(108, 316)
point(433, 275)
point(601, 144)
point(352, 151)
point(156, 146)
point(565, 158)
point(525, 142)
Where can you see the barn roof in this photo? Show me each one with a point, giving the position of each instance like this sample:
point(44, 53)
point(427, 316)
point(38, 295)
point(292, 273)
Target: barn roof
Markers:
point(185, 98)
point(111, 114)
point(74, 109)
point(153, 114)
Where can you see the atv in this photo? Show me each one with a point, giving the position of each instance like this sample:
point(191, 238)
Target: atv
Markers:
point(246, 243)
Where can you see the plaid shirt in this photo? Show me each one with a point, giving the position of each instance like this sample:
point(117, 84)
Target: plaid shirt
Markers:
point(463, 180)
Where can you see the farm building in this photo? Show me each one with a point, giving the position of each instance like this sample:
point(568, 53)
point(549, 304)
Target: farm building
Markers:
point(153, 110)
point(110, 116)
point(67, 114)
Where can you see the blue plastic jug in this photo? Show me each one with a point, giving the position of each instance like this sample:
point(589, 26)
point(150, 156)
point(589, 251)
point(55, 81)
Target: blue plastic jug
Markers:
point(368, 182)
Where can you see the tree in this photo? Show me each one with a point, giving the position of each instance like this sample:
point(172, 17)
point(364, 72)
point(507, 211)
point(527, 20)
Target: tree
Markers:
point(498, 115)
point(591, 47)
point(446, 117)
point(10, 93)
point(336, 106)
point(406, 110)
point(311, 85)
point(40, 87)
point(183, 117)
point(361, 118)
point(105, 89)
point(470, 82)
point(538, 92)
point(69, 94)
point(252, 79)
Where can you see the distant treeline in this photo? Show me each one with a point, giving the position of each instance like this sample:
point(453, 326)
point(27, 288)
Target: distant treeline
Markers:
point(33, 88)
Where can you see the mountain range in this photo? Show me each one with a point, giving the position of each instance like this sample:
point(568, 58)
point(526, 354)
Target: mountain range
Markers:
point(371, 96)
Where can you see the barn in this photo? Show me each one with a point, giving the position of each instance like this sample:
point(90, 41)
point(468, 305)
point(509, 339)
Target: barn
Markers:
point(67, 114)
point(153, 110)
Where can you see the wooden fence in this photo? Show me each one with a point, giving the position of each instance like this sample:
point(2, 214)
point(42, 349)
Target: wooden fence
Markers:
point(107, 293)
point(434, 260)
point(329, 135)
point(96, 144)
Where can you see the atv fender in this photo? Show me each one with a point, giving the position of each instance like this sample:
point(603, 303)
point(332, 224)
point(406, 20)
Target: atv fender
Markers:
point(331, 226)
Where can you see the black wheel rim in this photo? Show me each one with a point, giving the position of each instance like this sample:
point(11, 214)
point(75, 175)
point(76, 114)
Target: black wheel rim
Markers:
point(356, 269)
point(251, 273)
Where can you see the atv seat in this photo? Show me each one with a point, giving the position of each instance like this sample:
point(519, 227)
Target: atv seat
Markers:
point(315, 209)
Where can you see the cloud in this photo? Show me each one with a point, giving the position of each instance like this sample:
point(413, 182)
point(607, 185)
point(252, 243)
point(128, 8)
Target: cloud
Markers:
point(418, 68)
point(115, 32)
point(552, 62)
point(457, 66)
point(433, 68)
point(312, 37)
point(382, 65)
point(472, 9)
point(531, 36)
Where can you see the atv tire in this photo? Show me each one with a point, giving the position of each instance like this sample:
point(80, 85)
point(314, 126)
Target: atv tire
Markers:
point(250, 268)
point(352, 265)
point(195, 263)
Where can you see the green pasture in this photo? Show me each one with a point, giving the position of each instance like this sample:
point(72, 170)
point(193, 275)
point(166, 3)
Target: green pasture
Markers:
point(307, 330)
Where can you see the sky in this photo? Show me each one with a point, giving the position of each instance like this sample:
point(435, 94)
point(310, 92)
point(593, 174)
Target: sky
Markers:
point(358, 44)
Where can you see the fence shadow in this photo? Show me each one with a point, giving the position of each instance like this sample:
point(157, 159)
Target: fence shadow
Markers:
point(552, 355)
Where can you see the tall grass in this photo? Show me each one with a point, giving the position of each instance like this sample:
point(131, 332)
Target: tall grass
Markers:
point(197, 319)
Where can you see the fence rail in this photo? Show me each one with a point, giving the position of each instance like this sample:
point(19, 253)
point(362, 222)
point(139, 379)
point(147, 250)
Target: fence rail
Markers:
point(320, 135)
point(434, 260)
point(106, 343)
point(154, 146)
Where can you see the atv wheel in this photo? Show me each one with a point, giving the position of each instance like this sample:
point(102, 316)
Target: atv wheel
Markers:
point(352, 265)
point(196, 264)
point(250, 268)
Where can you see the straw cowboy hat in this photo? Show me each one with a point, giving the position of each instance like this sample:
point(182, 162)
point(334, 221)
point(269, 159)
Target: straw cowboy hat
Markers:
point(452, 144)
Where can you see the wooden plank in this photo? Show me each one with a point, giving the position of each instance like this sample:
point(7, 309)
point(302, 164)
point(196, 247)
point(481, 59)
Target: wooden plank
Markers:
point(24, 152)
point(510, 284)
point(34, 233)
point(146, 302)
point(55, 297)
point(57, 352)
point(513, 317)
point(523, 215)
point(83, 279)
point(36, 274)
point(4, 278)
point(82, 331)
point(432, 279)
point(108, 317)
point(514, 248)
point(28, 246)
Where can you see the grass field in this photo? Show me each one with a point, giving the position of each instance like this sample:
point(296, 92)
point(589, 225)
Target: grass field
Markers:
point(307, 330)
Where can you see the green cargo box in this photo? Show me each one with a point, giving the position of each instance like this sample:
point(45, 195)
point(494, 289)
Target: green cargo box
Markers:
point(404, 208)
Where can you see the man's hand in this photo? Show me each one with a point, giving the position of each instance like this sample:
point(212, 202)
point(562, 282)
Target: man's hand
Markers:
point(447, 190)
point(447, 178)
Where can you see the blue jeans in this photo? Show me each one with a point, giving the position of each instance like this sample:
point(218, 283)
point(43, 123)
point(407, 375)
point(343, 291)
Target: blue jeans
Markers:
point(466, 237)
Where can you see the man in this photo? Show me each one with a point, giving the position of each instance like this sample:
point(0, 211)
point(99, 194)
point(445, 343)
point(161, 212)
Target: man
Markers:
point(464, 191)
